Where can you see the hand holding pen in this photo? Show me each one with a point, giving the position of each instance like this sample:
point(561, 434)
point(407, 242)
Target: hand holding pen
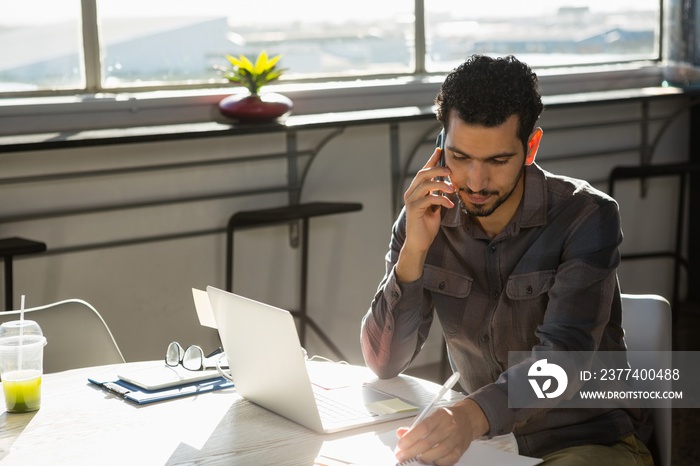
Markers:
point(429, 409)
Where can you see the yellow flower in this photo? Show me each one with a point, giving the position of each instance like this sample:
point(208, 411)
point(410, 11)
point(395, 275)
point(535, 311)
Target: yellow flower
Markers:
point(253, 76)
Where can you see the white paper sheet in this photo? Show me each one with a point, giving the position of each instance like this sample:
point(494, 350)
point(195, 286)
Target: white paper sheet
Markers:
point(377, 450)
point(204, 310)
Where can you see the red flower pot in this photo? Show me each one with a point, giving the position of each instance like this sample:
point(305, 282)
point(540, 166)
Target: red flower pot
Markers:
point(255, 108)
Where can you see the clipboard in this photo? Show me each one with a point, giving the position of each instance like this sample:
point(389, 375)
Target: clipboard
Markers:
point(142, 396)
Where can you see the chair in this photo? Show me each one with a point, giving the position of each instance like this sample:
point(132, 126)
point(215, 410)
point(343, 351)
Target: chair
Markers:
point(683, 172)
point(76, 335)
point(289, 214)
point(646, 320)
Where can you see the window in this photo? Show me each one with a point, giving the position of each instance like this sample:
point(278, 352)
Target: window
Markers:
point(44, 45)
point(543, 33)
point(182, 41)
point(40, 45)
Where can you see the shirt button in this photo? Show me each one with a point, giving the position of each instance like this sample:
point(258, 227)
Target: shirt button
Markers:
point(485, 338)
point(395, 295)
point(493, 248)
point(529, 289)
point(441, 286)
point(495, 293)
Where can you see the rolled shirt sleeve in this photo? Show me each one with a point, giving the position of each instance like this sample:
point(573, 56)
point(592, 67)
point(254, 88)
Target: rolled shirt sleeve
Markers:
point(395, 328)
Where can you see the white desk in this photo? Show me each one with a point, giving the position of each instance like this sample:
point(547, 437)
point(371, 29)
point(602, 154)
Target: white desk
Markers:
point(79, 423)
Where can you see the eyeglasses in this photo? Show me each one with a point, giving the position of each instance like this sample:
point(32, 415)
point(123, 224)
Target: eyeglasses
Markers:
point(192, 358)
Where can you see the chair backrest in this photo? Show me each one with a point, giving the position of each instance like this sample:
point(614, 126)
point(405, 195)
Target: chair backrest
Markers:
point(76, 335)
point(646, 320)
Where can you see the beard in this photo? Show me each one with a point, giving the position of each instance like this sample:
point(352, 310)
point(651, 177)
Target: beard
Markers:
point(484, 210)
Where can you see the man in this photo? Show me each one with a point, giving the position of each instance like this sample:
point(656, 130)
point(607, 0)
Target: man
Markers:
point(511, 258)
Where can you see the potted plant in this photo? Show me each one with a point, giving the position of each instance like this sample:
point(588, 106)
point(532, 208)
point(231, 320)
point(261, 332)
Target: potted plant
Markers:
point(254, 106)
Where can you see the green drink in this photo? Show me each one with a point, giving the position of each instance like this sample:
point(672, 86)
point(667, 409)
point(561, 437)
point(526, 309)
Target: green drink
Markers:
point(22, 390)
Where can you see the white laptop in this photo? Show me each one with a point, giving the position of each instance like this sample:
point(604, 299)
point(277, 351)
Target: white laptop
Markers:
point(269, 368)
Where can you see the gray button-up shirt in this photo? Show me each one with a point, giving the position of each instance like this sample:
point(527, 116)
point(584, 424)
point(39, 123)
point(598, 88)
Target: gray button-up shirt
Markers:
point(547, 282)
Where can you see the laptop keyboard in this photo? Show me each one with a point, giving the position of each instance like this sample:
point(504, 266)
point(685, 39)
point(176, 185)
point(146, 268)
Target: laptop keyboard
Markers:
point(334, 411)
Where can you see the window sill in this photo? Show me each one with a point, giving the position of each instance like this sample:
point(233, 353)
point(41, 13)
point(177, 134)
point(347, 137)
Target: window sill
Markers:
point(220, 127)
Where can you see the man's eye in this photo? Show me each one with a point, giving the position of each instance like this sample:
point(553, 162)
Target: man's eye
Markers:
point(499, 161)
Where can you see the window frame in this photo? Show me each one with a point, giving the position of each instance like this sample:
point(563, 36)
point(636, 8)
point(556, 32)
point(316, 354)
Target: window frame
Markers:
point(91, 61)
point(167, 104)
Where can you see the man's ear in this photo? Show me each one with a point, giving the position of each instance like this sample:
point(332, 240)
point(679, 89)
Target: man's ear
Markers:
point(533, 143)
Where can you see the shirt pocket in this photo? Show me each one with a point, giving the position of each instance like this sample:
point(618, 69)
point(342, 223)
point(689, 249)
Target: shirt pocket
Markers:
point(528, 298)
point(450, 291)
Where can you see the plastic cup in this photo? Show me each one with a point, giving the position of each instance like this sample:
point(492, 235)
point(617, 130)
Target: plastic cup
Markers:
point(21, 368)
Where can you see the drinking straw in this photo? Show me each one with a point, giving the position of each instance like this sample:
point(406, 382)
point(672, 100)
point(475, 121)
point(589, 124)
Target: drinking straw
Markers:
point(21, 330)
point(21, 313)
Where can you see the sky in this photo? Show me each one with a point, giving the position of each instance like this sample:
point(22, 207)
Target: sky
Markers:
point(42, 11)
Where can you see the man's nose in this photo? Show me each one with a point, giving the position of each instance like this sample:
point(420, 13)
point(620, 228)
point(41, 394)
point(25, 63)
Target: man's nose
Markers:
point(477, 177)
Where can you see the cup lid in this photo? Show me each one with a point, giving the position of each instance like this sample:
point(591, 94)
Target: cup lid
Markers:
point(17, 327)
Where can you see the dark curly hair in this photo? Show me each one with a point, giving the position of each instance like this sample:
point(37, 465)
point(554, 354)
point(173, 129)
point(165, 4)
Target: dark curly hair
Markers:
point(487, 91)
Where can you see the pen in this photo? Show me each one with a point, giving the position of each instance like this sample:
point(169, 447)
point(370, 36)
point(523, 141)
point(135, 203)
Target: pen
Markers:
point(428, 409)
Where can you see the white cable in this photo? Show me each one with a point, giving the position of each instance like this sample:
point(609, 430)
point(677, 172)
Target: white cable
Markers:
point(322, 358)
point(79, 301)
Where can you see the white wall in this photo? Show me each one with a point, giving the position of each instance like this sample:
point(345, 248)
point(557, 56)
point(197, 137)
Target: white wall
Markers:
point(143, 290)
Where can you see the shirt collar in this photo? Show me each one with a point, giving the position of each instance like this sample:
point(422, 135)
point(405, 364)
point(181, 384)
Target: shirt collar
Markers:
point(532, 211)
point(535, 201)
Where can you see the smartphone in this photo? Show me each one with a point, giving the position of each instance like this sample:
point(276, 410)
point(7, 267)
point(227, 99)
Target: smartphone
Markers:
point(440, 142)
